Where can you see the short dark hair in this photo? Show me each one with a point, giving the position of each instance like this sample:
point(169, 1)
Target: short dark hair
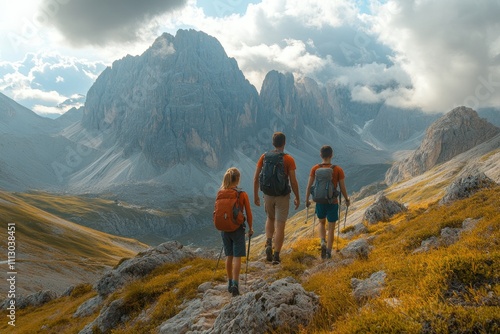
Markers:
point(326, 151)
point(279, 139)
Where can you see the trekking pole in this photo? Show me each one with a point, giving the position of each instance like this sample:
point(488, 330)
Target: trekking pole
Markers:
point(307, 215)
point(345, 217)
point(338, 223)
point(220, 255)
point(314, 223)
point(248, 255)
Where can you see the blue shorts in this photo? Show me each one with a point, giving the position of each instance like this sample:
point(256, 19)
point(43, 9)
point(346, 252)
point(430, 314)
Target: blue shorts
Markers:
point(329, 211)
point(234, 242)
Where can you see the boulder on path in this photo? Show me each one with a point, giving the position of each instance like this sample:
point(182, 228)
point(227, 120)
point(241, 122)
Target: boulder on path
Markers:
point(282, 305)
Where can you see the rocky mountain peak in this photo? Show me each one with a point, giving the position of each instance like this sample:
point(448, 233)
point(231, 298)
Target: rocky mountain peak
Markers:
point(456, 132)
point(182, 99)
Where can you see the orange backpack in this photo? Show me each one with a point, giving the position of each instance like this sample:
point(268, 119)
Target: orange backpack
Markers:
point(228, 215)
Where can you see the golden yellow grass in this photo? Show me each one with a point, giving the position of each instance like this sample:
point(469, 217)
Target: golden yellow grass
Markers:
point(445, 289)
point(54, 317)
point(452, 288)
point(39, 231)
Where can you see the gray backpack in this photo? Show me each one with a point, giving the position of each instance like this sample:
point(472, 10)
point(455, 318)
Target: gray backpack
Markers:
point(323, 191)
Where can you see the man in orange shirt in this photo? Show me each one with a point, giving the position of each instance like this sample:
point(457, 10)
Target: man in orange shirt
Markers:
point(275, 173)
point(328, 211)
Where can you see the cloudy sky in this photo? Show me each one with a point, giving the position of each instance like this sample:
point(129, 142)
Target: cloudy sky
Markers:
point(430, 54)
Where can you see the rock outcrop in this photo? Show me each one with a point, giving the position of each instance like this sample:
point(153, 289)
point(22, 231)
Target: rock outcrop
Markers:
point(382, 210)
point(368, 288)
point(282, 305)
point(456, 132)
point(448, 236)
point(141, 265)
point(36, 299)
point(466, 187)
point(108, 318)
point(357, 249)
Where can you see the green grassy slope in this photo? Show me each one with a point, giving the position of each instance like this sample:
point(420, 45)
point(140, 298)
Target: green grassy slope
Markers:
point(54, 253)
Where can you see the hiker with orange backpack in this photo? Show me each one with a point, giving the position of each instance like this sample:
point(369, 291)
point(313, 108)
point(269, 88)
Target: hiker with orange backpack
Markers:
point(230, 205)
point(275, 176)
point(322, 185)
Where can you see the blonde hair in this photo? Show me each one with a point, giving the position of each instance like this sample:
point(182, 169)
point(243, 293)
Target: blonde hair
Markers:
point(232, 176)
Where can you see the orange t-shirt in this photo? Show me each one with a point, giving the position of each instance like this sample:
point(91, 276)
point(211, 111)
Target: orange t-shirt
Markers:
point(337, 175)
point(288, 161)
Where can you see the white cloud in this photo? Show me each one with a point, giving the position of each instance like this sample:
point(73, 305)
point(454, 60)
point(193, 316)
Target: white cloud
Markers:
point(447, 47)
point(433, 54)
point(44, 80)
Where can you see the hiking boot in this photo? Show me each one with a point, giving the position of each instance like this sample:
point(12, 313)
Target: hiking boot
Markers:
point(235, 291)
point(229, 287)
point(328, 254)
point(269, 253)
point(276, 259)
point(323, 251)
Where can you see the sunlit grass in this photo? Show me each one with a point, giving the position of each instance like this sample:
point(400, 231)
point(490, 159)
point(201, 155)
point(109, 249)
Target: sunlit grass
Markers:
point(163, 291)
point(443, 290)
point(54, 317)
point(452, 288)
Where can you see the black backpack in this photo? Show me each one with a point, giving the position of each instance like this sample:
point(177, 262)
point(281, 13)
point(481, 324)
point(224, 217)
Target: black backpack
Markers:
point(323, 190)
point(272, 179)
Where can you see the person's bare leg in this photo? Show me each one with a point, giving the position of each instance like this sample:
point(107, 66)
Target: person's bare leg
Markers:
point(229, 267)
point(331, 233)
point(236, 268)
point(322, 230)
point(235, 290)
point(280, 236)
point(270, 228)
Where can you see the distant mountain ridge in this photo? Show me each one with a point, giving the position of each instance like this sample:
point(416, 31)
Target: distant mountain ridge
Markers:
point(456, 132)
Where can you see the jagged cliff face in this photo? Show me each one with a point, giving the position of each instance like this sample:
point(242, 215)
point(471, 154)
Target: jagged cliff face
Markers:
point(182, 100)
point(454, 133)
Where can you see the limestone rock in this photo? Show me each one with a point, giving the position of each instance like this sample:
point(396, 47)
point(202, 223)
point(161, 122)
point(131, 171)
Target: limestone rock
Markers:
point(368, 288)
point(141, 265)
point(466, 187)
point(198, 314)
point(448, 236)
point(88, 307)
point(282, 305)
point(108, 319)
point(36, 299)
point(357, 249)
point(359, 228)
point(382, 210)
point(428, 244)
